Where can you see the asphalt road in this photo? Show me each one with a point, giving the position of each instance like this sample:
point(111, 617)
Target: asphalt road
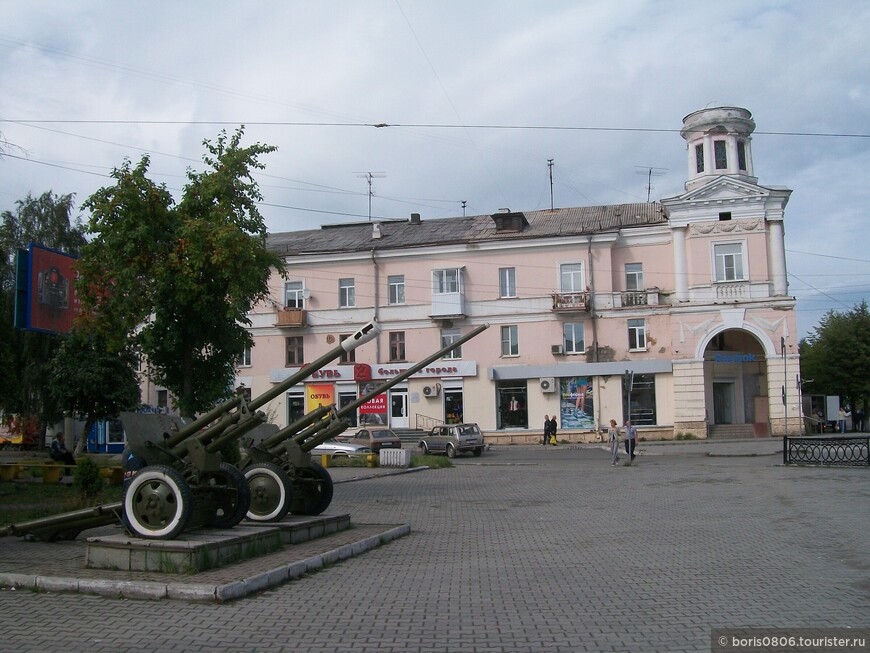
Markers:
point(531, 549)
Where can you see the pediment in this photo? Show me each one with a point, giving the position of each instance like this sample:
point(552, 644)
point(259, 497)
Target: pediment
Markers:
point(723, 189)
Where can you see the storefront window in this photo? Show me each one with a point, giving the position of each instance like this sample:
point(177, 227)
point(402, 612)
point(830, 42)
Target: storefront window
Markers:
point(643, 400)
point(576, 403)
point(512, 405)
point(453, 407)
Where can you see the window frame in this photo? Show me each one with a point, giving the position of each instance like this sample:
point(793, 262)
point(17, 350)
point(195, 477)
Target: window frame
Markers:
point(442, 284)
point(346, 293)
point(507, 283)
point(397, 347)
point(573, 275)
point(297, 290)
point(448, 337)
point(569, 338)
point(637, 274)
point(244, 359)
point(296, 344)
point(637, 333)
point(720, 154)
point(510, 341)
point(741, 274)
point(396, 289)
point(699, 158)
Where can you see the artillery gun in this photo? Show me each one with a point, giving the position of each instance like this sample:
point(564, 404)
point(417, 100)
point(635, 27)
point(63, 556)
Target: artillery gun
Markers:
point(281, 474)
point(186, 483)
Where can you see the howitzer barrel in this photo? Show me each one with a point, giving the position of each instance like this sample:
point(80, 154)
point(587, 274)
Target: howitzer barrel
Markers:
point(368, 332)
point(309, 443)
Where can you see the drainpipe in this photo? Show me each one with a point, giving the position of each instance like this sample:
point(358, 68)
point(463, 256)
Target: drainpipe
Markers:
point(377, 304)
point(596, 380)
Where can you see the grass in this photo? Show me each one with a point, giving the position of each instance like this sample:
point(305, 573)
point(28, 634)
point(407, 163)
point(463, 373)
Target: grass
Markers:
point(22, 501)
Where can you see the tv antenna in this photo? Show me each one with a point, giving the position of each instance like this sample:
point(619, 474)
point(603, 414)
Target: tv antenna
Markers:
point(368, 176)
point(650, 172)
point(550, 167)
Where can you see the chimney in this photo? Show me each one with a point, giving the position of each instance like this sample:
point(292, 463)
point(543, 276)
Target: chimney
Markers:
point(415, 218)
point(376, 231)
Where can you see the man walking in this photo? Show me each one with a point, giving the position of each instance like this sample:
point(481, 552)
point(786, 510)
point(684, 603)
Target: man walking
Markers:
point(630, 441)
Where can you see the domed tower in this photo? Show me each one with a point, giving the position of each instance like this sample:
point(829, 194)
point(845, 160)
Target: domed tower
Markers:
point(719, 143)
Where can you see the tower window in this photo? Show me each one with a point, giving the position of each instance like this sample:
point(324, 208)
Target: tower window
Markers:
point(741, 155)
point(720, 155)
point(699, 157)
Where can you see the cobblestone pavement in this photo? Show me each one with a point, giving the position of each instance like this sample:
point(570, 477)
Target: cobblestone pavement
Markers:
point(530, 549)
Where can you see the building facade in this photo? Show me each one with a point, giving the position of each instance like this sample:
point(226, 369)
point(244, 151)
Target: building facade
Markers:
point(673, 314)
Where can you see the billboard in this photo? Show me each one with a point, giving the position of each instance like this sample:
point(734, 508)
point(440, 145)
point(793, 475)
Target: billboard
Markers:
point(45, 297)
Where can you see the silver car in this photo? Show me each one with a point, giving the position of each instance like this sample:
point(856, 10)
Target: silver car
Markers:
point(452, 439)
point(335, 449)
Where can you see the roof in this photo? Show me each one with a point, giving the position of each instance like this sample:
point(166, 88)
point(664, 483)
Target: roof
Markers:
point(398, 234)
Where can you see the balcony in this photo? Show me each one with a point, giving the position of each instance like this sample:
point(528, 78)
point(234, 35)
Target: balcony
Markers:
point(567, 302)
point(290, 317)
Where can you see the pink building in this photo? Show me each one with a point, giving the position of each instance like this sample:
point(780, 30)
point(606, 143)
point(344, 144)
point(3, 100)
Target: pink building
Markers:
point(674, 314)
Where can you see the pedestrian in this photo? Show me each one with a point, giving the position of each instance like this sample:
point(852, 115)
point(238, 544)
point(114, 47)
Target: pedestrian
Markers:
point(841, 418)
point(630, 441)
point(59, 453)
point(613, 439)
point(546, 430)
point(553, 427)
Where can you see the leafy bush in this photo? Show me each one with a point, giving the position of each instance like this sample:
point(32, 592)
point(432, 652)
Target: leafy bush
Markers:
point(87, 479)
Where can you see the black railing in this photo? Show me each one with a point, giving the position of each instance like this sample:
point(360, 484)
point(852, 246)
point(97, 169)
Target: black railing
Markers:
point(844, 451)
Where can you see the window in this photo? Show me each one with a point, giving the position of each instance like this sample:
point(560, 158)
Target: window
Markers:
point(728, 261)
point(346, 294)
point(507, 282)
point(397, 345)
point(163, 400)
point(244, 360)
point(699, 158)
point(347, 357)
point(396, 288)
point(719, 153)
point(634, 276)
point(445, 281)
point(293, 294)
point(448, 337)
point(512, 400)
point(637, 335)
point(295, 354)
point(572, 334)
point(741, 155)
point(571, 277)
point(509, 341)
point(643, 400)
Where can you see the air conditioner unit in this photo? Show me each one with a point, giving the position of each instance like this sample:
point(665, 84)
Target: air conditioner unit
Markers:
point(548, 385)
point(557, 350)
point(432, 390)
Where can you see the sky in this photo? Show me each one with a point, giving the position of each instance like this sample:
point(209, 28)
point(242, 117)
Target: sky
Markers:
point(474, 98)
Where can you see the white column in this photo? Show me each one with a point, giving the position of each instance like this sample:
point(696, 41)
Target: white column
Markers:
point(681, 276)
point(709, 159)
point(733, 167)
point(776, 257)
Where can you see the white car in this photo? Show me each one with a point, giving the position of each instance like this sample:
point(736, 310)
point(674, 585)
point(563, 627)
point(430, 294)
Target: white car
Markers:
point(335, 449)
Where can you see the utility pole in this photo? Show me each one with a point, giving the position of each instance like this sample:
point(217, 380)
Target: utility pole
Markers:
point(550, 167)
point(463, 208)
point(368, 176)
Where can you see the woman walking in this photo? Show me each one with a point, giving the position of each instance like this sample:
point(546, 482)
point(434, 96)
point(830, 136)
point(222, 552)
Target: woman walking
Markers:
point(613, 438)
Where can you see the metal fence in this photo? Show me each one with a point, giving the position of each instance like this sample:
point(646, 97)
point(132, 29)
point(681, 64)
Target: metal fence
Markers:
point(843, 451)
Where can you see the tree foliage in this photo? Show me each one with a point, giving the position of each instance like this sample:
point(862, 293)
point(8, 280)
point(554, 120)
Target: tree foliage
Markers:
point(179, 279)
point(25, 356)
point(837, 355)
point(91, 380)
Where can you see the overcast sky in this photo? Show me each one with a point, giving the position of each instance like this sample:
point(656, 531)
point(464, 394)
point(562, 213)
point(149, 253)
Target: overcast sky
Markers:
point(469, 89)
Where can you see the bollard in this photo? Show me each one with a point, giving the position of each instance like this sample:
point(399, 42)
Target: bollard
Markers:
point(324, 460)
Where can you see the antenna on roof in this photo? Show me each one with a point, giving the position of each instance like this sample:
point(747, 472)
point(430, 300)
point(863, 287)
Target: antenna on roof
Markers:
point(650, 172)
point(464, 202)
point(550, 166)
point(369, 176)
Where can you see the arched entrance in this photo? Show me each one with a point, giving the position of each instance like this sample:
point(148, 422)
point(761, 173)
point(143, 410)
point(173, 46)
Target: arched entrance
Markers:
point(736, 387)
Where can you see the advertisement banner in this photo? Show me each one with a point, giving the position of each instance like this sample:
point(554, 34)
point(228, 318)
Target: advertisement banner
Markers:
point(52, 302)
point(317, 395)
point(576, 403)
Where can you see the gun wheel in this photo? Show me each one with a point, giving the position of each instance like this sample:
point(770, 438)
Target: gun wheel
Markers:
point(271, 492)
point(234, 496)
point(312, 490)
point(158, 503)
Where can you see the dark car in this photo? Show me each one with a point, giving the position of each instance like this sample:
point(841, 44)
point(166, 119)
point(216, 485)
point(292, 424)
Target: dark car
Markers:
point(376, 439)
point(452, 439)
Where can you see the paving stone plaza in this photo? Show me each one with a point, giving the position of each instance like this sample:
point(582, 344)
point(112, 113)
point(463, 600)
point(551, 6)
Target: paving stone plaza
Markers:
point(530, 549)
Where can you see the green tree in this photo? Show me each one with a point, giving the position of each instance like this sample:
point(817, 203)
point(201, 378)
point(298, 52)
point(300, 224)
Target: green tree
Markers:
point(89, 380)
point(25, 356)
point(178, 280)
point(836, 355)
